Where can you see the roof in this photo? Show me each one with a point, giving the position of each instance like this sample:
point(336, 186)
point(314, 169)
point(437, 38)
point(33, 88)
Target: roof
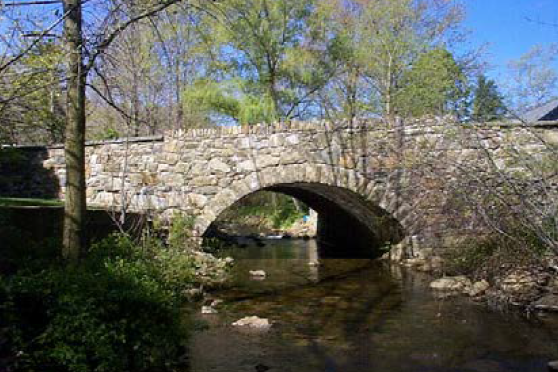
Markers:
point(546, 112)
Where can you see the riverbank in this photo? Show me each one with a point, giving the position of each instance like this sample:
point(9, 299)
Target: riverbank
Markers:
point(264, 214)
point(530, 287)
point(258, 227)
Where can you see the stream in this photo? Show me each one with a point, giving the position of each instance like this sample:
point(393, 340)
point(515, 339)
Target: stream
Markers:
point(345, 315)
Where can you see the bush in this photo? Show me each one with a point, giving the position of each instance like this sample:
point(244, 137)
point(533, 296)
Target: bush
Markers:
point(492, 256)
point(466, 260)
point(286, 217)
point(117, 311)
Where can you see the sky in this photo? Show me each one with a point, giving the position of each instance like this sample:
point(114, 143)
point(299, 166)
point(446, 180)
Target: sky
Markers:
point(505, 26)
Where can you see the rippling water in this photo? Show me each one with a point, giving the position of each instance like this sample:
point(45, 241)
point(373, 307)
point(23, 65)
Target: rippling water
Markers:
point(358, 315)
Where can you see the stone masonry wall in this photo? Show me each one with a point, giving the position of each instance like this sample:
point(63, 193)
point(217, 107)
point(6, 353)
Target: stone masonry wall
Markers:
point(377, 174)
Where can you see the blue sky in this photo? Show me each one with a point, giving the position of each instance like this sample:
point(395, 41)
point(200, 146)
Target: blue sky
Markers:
point(504, 25)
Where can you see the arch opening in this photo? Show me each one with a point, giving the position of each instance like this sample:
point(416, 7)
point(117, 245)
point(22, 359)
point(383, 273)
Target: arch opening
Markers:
point(348, 224)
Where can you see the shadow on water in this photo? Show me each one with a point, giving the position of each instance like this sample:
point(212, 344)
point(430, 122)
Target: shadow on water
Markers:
point(333, 314)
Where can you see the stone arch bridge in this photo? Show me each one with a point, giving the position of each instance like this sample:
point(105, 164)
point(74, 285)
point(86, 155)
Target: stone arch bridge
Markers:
point(370, 183)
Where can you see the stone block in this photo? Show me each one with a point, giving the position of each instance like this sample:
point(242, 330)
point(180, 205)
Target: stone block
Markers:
point(196, 200)
point(277, 140)
point(204, 181)
point(293, 139)
point(217, 166)
point(265, 161)
point(246, 166)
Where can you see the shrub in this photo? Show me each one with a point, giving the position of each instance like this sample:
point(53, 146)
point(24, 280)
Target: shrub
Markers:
point(117, 311)
point(179, 232)
point(286, 217)
point(491, 256)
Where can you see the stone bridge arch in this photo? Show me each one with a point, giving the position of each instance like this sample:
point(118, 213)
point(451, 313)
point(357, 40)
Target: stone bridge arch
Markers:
point(360, 173)
point(352, 208)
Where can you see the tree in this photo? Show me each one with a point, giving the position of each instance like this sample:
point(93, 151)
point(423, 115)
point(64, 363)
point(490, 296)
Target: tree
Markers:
point(434, 85)
point(385, 38)
point(533, 80)
point(118, 18)
point(33, 109)
point(141, 80)
point(31, 77)
point(82, 46)
point(488, 103)
point(74, 145)
point(270, 56)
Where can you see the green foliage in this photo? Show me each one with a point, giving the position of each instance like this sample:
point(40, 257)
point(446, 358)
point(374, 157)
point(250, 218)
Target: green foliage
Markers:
point(22, 245)
point(119, 310)
point(208, 96)
point(257, 110)
point(469, 258)
point(272, 52)
point(286, 216)
point(488, 103)
point(18, 202)
point(489, 256)
point(35, 110)
point(435, 85)
point(380, 41)
point(276, 211)
point(107, 134)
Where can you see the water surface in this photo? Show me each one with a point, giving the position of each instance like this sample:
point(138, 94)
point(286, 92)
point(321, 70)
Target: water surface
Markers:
point(358, 315)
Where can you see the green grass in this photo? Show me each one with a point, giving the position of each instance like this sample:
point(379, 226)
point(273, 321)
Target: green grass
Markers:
point(30, 202)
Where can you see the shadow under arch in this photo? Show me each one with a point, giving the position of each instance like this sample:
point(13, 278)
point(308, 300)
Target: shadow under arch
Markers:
point(352, 213)
point(345, 219)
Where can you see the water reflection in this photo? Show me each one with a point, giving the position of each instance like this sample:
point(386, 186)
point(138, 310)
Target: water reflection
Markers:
point(356, 315)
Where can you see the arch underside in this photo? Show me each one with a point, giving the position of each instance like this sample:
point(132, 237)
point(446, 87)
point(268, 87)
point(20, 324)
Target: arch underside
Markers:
point(345, 219)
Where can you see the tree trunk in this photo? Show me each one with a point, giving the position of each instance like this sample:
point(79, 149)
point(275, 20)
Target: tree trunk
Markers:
point(75, 204)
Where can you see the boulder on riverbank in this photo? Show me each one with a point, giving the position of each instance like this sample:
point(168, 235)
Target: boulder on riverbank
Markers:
point(208, 310)
point(530, 287)
point(478, 288)
point(454, 285)
point(451, 284)
point(429, 264)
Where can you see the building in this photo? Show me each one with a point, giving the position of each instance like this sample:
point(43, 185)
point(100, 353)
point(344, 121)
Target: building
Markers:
point(546, 112)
